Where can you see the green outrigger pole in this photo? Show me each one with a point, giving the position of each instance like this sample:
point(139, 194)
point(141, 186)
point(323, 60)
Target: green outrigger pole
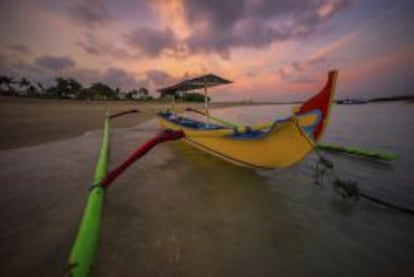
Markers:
point(379, 155)
point(219, 120)
point(83, 252)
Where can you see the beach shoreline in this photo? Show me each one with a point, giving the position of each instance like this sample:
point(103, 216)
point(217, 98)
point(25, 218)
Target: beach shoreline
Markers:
point(27, 122)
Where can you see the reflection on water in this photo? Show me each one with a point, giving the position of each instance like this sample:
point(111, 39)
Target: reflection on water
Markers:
point(181, 212)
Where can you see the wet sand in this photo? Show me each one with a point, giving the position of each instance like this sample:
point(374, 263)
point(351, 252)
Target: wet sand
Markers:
point(166, 216)
point(27, 122)
point(42, 195)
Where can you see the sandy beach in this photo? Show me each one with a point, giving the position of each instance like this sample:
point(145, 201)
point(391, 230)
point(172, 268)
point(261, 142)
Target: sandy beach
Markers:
point(27, 122)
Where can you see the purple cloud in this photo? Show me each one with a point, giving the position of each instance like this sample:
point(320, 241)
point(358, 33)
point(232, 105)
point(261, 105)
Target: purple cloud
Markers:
point(219, 14)
point(217, 26)
point(91, 13)
point(20, 48)
point(220, 26)
point(112, 76)
point(150, 41)
point(46, 68)
point(94, 45)
point(54, 63)
point(299, 66)
point(117, 77)
point(160, 78)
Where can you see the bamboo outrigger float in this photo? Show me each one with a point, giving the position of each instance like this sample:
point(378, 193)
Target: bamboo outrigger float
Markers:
point(280, 143)
point(83, 251)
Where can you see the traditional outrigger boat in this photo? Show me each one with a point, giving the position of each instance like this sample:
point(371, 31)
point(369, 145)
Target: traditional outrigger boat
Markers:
point(280, 143)
point(276, 144)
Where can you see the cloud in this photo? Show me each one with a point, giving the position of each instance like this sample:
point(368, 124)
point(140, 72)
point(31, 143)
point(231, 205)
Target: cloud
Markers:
point(301, 81)
point(219, 26)
point(160, 78)
point(46, 68)
point(54, 63)
point(17, 67)
point(112, 76)
point(20, 48)
point(91, 13)
point(219, 14)
point(290, 71)
point(86, 76)
point(151, 42)
point(94, 45)
point(319, 57)
point(117, 77)
point(214, 26)
point(269, 9)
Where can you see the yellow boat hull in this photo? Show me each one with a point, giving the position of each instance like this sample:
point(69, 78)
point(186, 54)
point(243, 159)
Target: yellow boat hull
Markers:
point(285, 143)
point(282, 146)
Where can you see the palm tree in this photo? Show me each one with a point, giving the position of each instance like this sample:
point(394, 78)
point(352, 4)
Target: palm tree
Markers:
point(101, 91)
point(41, 88)
point(75, 89)
point(24, 83)
point(132, 95)
point(7, 82)
point(32, 91)
point(2, 82)
point(64, 88)
point(143, 93)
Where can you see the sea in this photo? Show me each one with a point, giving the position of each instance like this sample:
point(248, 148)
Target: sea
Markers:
point(181, 212)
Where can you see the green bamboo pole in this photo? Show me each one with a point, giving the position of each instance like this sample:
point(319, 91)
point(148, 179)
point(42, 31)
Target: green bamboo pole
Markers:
point(218, 120)
point(381, 155)
point(357, 151)
point(225, 123)
point(84, 248)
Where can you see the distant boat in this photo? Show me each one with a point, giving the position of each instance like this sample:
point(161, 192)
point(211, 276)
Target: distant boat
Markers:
point(349, 101)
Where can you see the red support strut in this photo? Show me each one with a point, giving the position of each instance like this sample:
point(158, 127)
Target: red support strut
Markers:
point(123, 113)
point(165, 135)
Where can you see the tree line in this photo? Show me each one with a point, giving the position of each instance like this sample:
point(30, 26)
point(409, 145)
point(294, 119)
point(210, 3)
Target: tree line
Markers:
point(69, 88)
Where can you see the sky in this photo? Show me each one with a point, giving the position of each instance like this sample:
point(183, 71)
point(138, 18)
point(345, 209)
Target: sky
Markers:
point(273, 50)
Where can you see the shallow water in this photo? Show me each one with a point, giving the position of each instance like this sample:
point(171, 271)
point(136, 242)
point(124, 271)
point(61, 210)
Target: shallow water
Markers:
point(181, 212)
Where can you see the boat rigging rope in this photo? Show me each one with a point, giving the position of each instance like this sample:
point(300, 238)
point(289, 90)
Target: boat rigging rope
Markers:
point(348, 189)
